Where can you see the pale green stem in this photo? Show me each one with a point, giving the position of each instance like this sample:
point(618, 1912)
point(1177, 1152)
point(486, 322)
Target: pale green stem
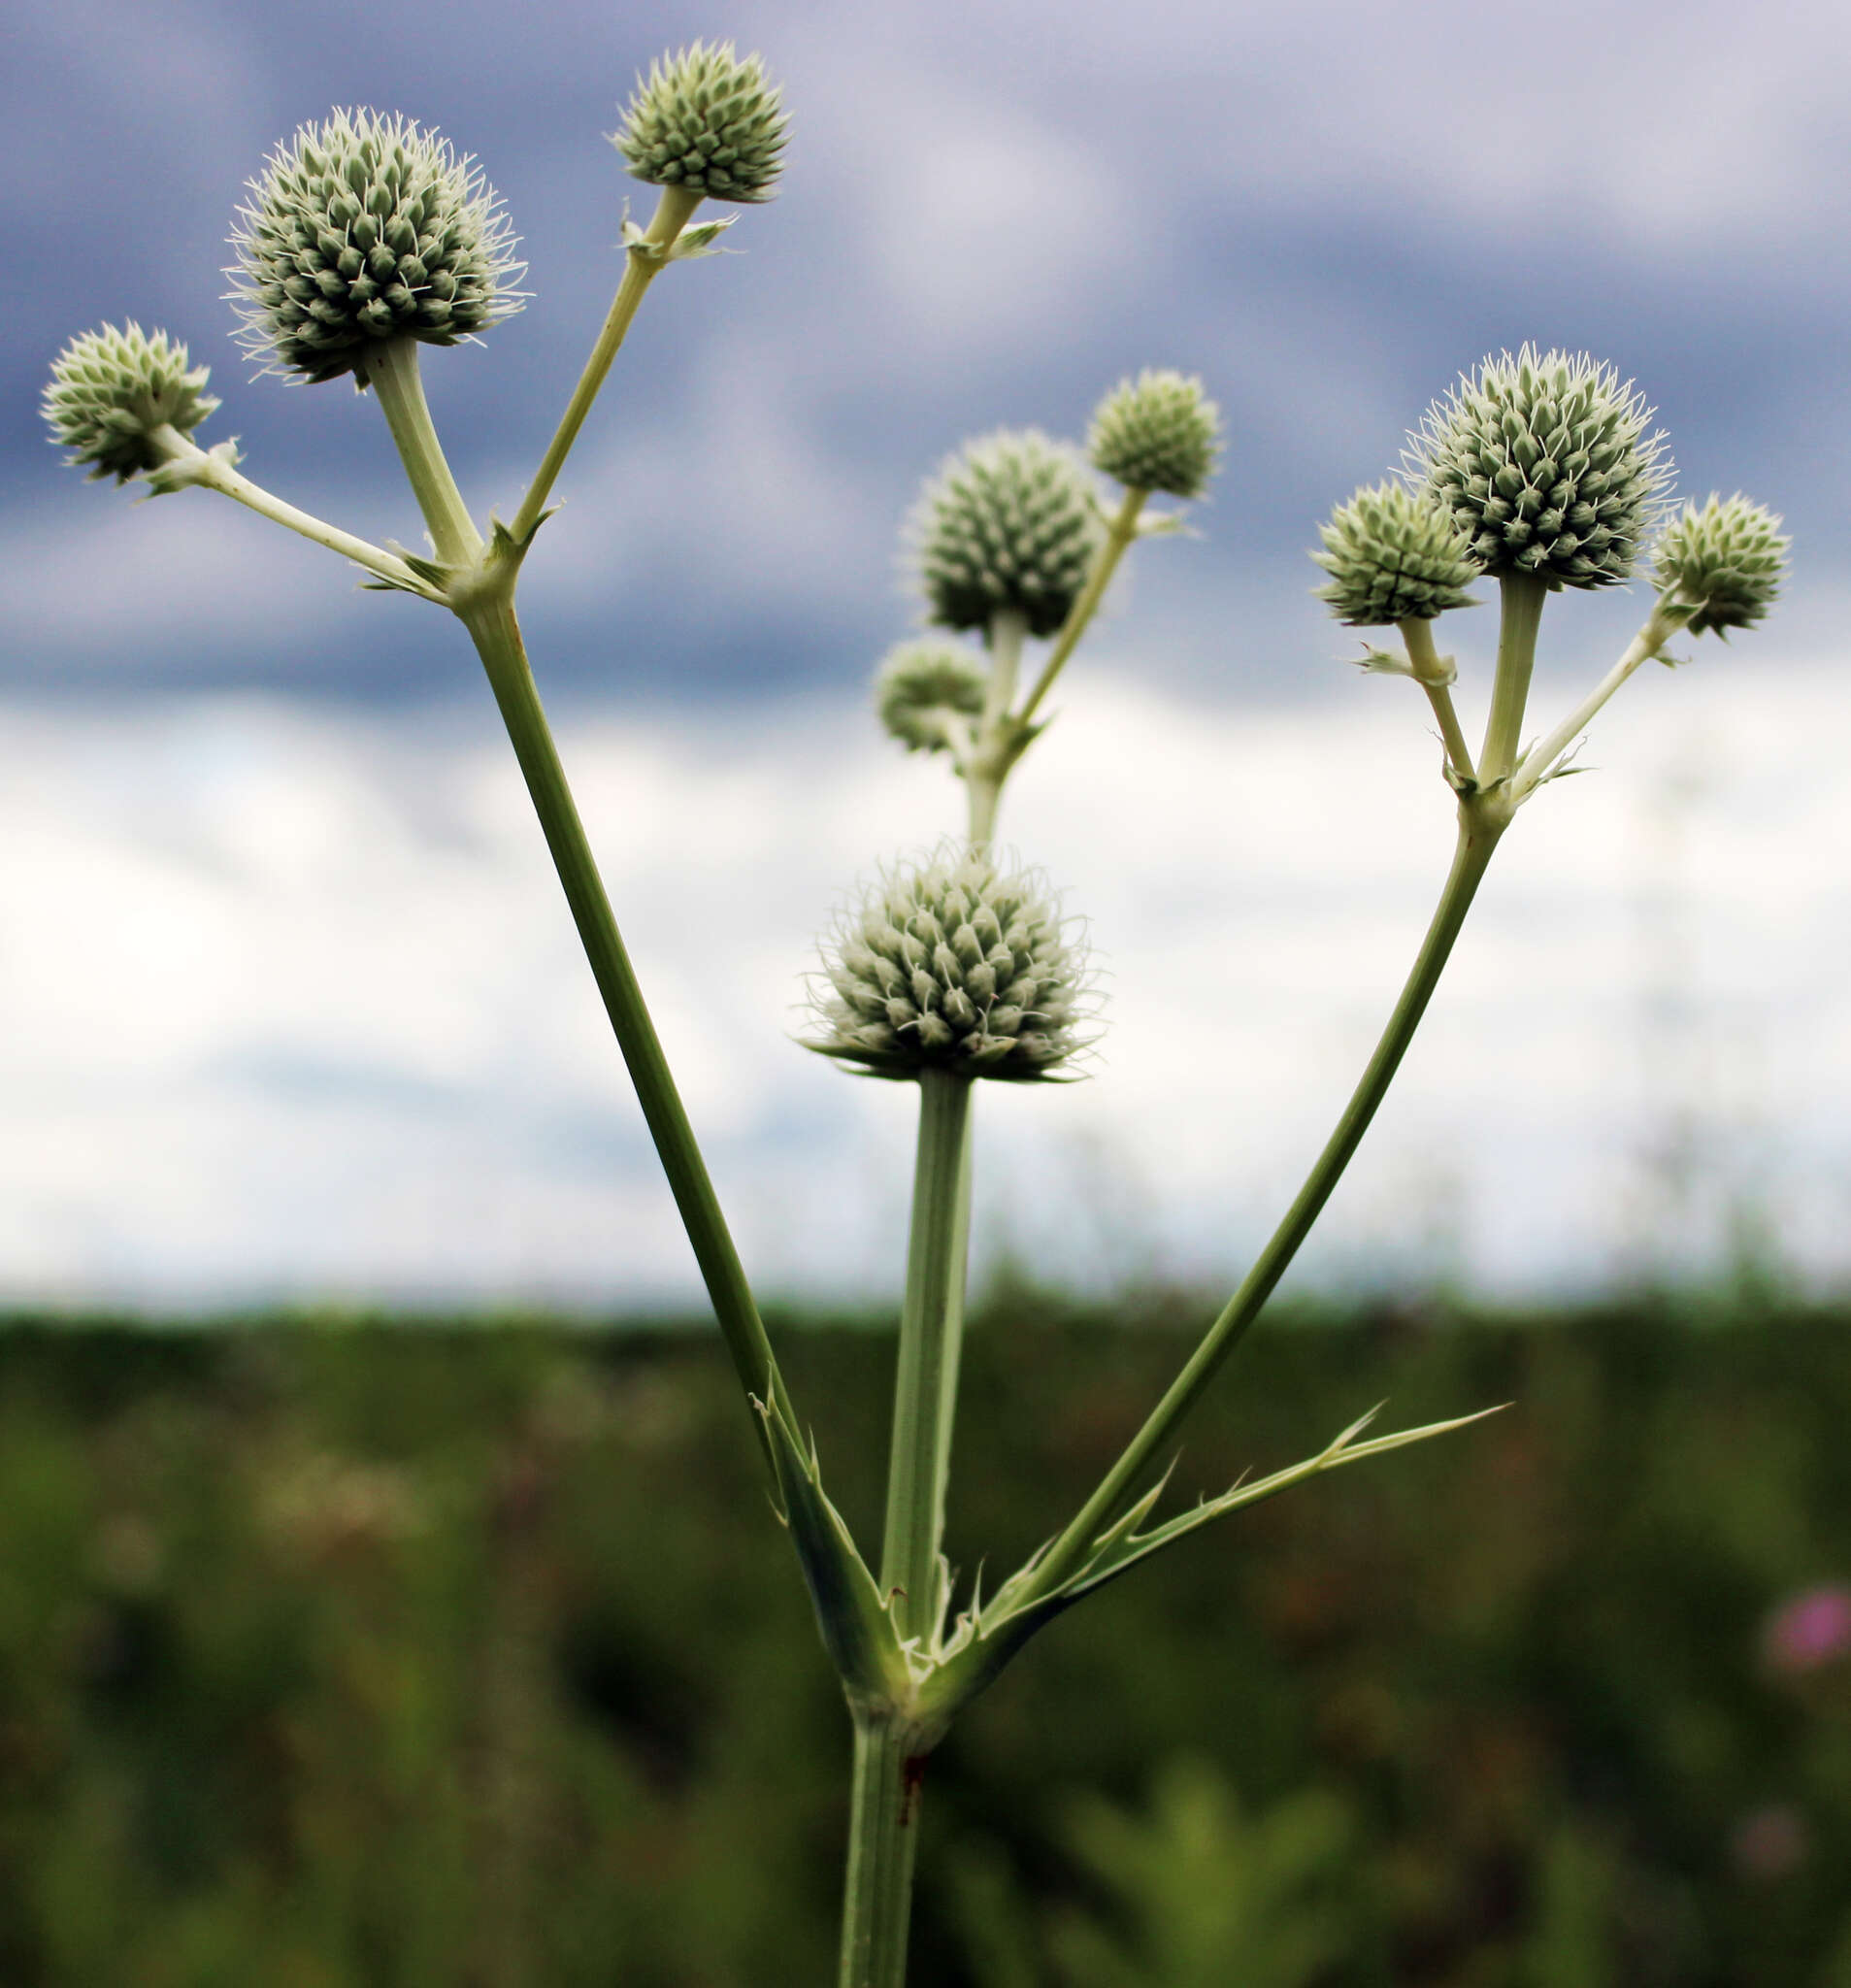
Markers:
point(1435, 677)
point(1119, 535)
point(214, 473)
point(645, 261)
point(931, 1329)
point(392, 369)
point(497, 637)
point(1479, 827)
point(995, 752)
point(1665, 620)
point(883, 1842)
point(887, 1770)
point(1521, 597)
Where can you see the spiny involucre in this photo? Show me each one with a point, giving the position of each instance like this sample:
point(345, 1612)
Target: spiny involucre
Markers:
point(1157, 431)
point(954, 961)
point(365, 228)
point(1726, 560)
point(1011, 521)
point(923, 688)
point(1393, 556)
point(1545, 463)
point(708, 120)
point(110, 390)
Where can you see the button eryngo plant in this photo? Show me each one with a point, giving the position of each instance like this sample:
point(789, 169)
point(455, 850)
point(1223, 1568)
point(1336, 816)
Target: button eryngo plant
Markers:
point(368, 238)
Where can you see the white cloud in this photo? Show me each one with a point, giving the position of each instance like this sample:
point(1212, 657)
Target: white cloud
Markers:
point(291, 1004)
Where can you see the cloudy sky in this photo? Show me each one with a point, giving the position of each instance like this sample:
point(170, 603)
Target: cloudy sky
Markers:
point(288, 1004)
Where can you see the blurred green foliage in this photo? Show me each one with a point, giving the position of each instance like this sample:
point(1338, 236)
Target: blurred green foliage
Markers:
point(375, 1655)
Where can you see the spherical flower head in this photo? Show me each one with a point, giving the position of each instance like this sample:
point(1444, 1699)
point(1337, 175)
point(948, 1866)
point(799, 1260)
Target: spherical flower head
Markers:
point(110, 390)
point(706, 121)
point(1011, 520)
point(1157, 431)
point(1393, 555)
point(1726, 560)
point(957, 962)
point(366, 228)
point(922, 689)
point(1546, 462)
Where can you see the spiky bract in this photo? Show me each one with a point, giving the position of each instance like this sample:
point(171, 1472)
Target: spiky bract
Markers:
point(922, 689)
point(708, 120)
point(1546, 462)
point(1011, 520)
point(1727, 561)
point(366, 228)
point(110, 390)
point(1157, 431)
point(1393, 556)
point(954, 961)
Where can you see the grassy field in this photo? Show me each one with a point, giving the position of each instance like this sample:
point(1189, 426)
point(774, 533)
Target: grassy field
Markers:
point(400, 1655)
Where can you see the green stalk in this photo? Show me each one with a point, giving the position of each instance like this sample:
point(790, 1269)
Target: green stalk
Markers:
point(198, 466)
point(1435, 677)
point(995, 752)
point(882, 1846)
point(1119, 535)
point(391, 370)
point(644, 262)
point(1479, 827)
point(497, 637)
point(888, 1757)
point(1521, 597)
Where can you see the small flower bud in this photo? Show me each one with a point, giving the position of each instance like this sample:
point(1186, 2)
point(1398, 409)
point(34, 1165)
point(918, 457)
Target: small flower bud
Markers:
point(953, 962)
point(1157, 431)
point(1545, 463)
point(111, 389)
point(362, 230)
point(1726, 560)
point(1393, 556)
point(1011, 520)
point(922, 688)
point(706, 121)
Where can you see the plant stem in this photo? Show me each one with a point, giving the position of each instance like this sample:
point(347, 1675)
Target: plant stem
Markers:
point(492, 626)
point(1119, 535)
point(889, 1758)
point(882, 1844)
point(931, 1331)
point(1665, 620)
point(1480, 824)
point(643, 263)
point(210, 472)
point(391, 370)
point(1433, 674)
point(996, 739)
point(1521, 596)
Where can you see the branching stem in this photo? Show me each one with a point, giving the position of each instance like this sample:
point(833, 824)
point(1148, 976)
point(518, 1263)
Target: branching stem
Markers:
point(1119, 535)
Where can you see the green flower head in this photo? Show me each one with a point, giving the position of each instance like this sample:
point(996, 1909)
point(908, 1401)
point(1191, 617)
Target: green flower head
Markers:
point(953, 962)
point(1393, 555)
point(366, 228)
point(1011, 521)
point(706, 121)
point(1726, 560)
point(922, 689)
point(1157, 431)
point(110, 390)
point(1545, 463)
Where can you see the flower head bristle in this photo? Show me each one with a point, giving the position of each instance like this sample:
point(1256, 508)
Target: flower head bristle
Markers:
point(1157, 431)
point(923, 690)
point(1727, 561)
point(366, 228)
point(1009, 522)
point(708, 120)
point(957, 962)
point(1545, 463)
point(110, 391)
point(1393, 555)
